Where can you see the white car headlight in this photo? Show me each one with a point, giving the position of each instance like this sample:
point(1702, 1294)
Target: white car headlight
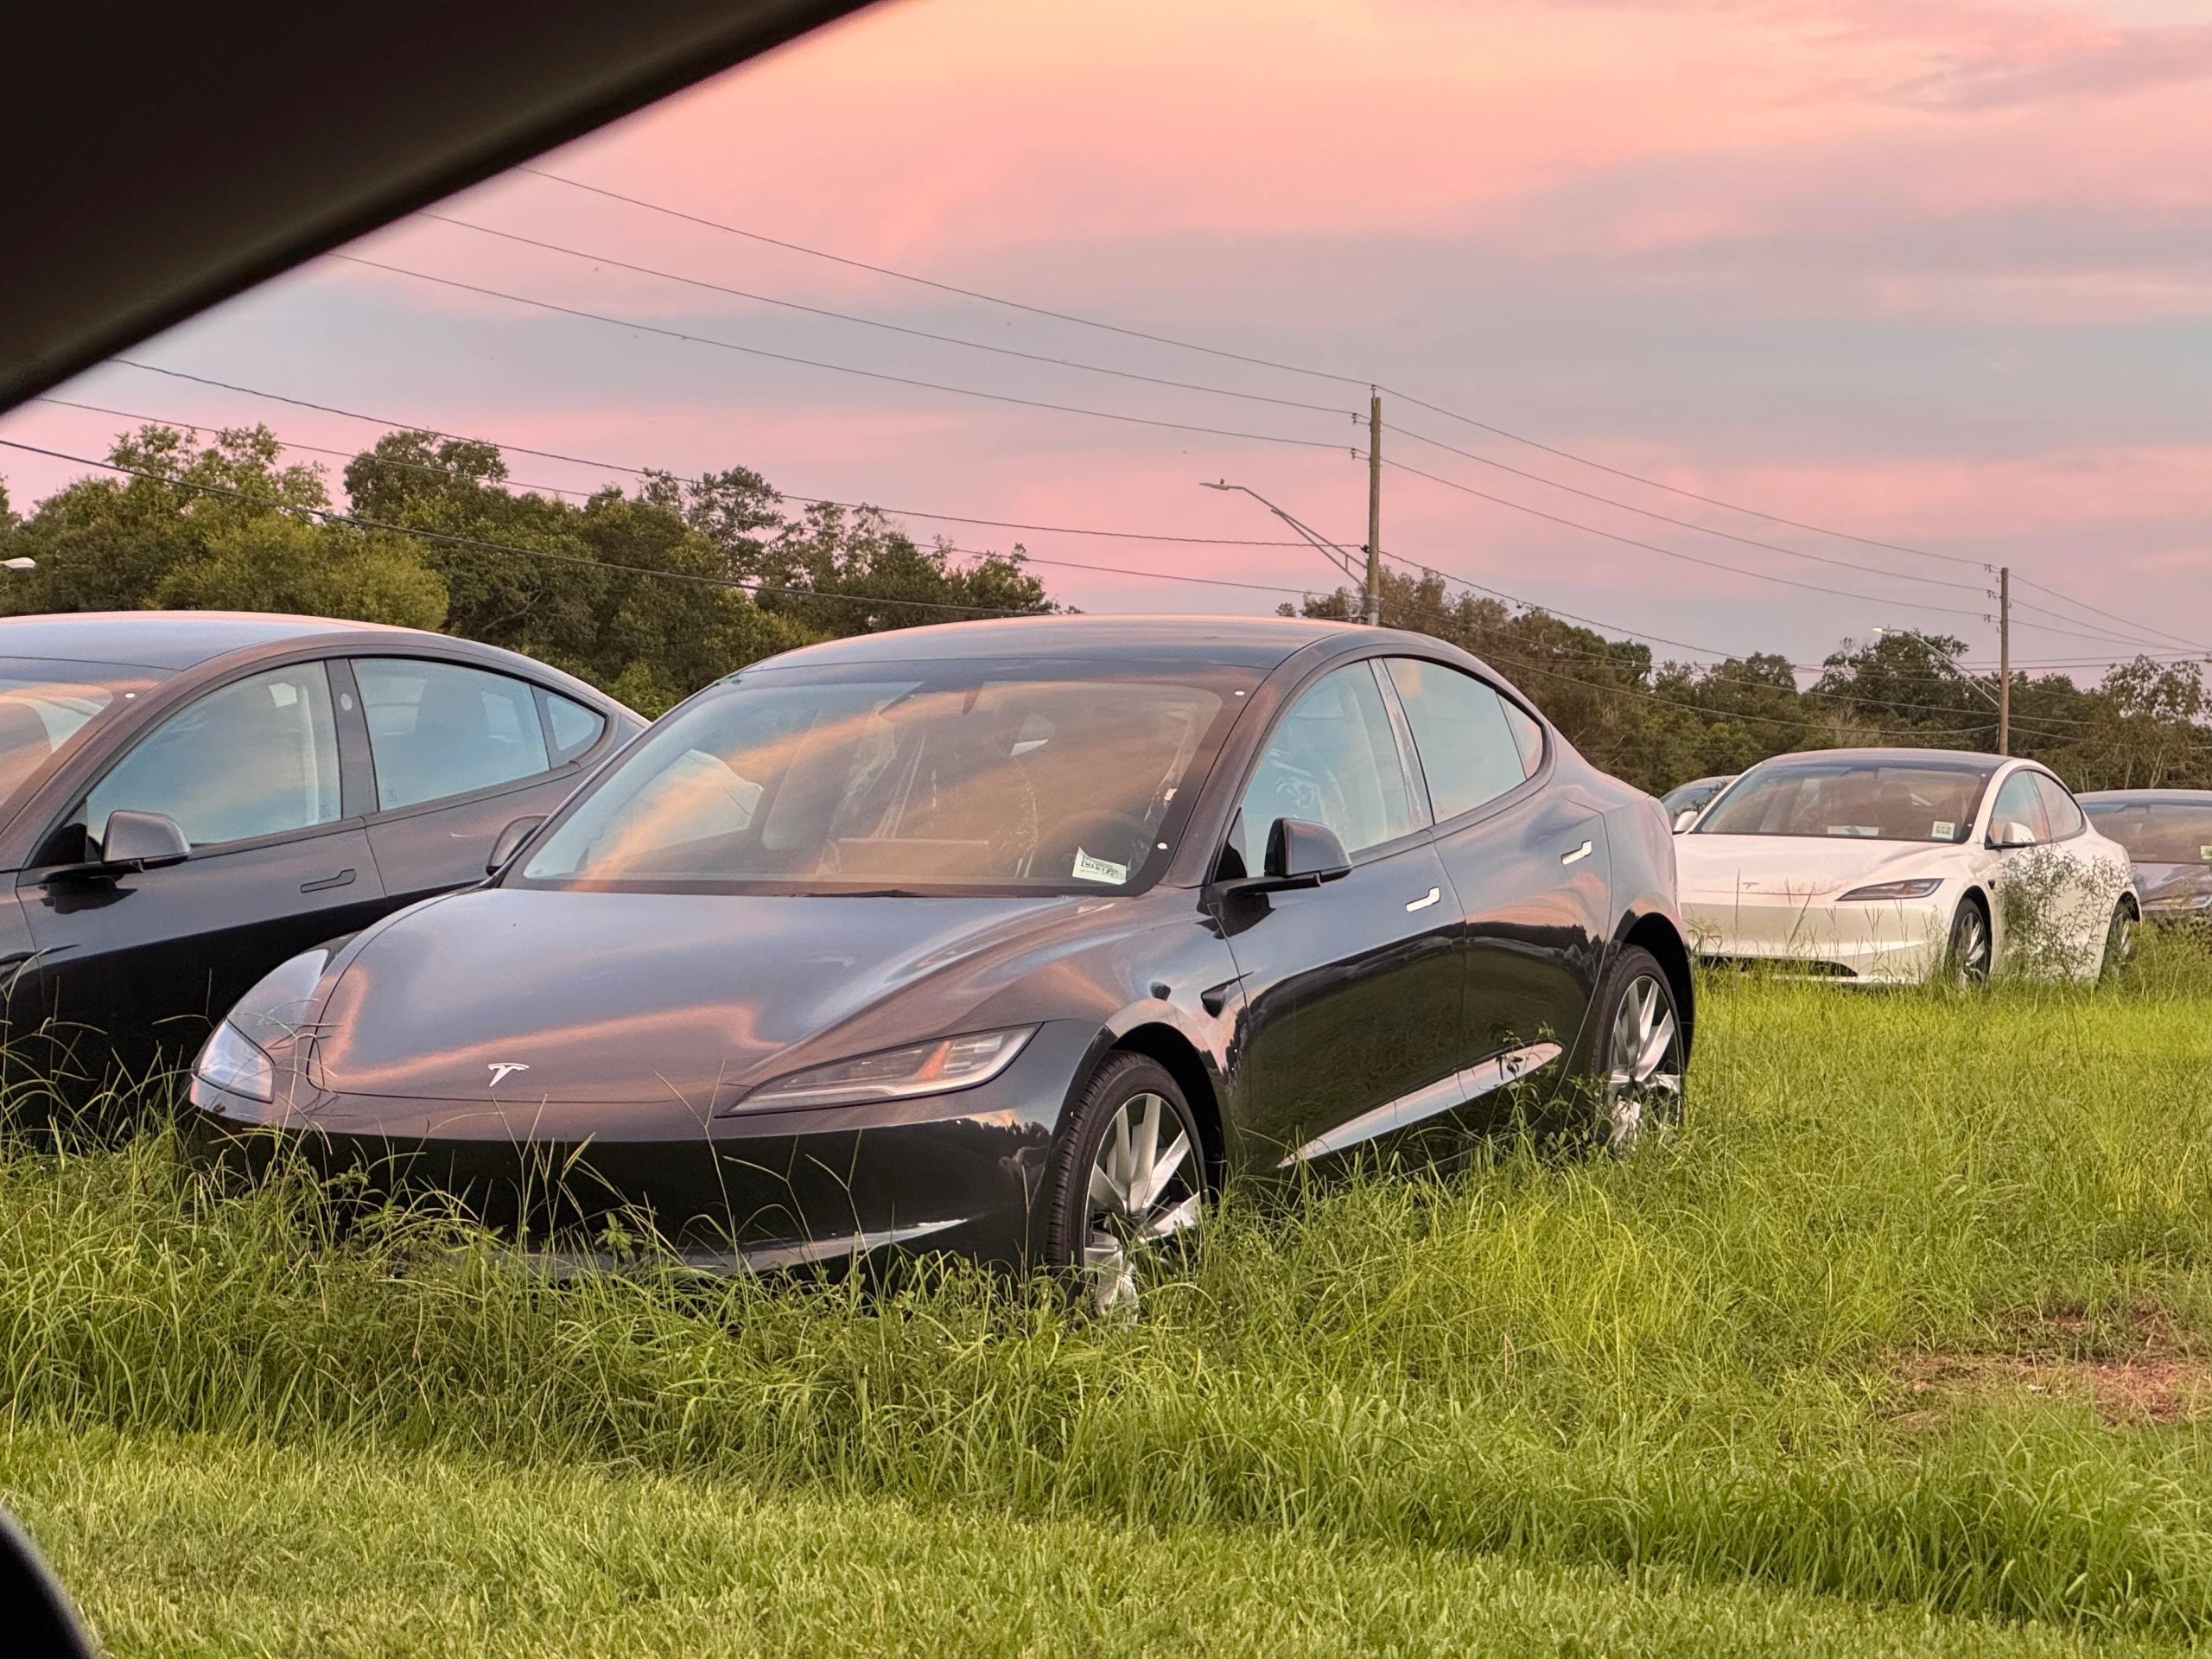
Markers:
point(931, 1068)
point(1918, 888)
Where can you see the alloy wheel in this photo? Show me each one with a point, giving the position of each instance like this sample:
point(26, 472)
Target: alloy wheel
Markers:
point(1643, 1087)
point(1970, 945)
point(2119, 941)
point(1145, 1187)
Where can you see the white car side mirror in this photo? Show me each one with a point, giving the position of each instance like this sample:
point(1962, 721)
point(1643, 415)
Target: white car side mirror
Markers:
point(1684, 818)
point(2006, 836)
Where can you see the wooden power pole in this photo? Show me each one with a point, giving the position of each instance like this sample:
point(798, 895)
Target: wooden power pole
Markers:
point(1374, 507)
point(2005, 659)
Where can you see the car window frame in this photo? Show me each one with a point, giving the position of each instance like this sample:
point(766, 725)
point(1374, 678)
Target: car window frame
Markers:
point(2081, 813)
point(1482, 810)
point(347, 819)
point(1995, 791)
point(375, 813)
point(1417, 787)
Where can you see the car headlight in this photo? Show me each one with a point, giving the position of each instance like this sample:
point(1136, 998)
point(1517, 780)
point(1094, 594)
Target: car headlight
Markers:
point(1918, 888)
point(234, 1063)
point(932, 1068)
point(235, 1058)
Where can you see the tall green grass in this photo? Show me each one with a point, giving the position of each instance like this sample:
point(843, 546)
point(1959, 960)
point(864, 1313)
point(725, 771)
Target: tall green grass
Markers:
point(1688, 1361)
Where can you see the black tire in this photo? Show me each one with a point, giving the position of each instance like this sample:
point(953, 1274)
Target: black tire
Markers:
point(1638, 1059)
point(2119, 940)
point(1111, 1203)
point(1968, 956)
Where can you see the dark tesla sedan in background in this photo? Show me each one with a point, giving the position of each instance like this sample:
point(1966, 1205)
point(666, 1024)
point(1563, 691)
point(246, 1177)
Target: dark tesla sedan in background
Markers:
point(1007, 937)
point(2168, 835)
point(188, 798)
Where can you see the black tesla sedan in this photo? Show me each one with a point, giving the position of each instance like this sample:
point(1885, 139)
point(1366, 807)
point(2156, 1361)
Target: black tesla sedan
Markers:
point(1008, 937)
point(188, 798)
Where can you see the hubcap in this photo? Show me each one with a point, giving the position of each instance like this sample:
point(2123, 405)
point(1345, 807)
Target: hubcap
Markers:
point(1145, 1187)
point(2119, 948)
point(1645, 1086)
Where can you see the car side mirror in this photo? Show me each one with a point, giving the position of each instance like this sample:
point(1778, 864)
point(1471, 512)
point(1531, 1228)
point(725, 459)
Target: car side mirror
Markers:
point(1684, 818)
point(1304, 854)
point(2005, 837)
point(134, 841)
point(509, 842)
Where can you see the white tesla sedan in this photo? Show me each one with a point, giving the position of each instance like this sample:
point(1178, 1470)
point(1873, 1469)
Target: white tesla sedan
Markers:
point(1889, 866)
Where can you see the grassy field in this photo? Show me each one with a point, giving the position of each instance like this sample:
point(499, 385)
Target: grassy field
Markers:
point(1901, 1346)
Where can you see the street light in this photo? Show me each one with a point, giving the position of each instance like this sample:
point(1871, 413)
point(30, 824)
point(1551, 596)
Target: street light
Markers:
point(1911, 634)
point(1348, 563)
point(18, 564)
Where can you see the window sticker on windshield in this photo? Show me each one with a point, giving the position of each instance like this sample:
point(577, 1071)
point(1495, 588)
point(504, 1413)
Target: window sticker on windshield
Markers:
point(1943, 829)
point(1087, 868)
point(2205, 853)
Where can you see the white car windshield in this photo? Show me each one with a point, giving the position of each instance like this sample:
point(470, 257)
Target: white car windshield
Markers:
point(1871, 800)
point(900, 778)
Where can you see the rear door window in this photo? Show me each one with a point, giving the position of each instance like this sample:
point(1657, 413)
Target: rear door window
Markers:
point(1469, 752)
point(2059, 807)
point(437, 729)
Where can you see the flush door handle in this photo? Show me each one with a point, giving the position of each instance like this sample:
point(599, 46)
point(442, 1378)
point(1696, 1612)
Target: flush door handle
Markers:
point(343, 879)
point(1425, 900)
point(1576, 854)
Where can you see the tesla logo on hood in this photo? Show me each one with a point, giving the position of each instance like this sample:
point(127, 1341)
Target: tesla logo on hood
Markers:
point(502, 1068)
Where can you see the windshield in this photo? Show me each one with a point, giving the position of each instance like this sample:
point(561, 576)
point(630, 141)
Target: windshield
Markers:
point(1871, 800)
point(993, 775)
point(2158, 832)
point(44, 703)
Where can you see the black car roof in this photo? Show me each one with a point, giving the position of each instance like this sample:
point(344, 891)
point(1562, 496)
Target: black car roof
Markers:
point(165, 639)
point(1244, 641)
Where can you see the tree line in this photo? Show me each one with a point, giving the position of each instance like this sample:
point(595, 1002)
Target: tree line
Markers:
point(654, 592)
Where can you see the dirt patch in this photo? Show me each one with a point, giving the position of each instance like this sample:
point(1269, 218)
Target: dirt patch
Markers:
point(2134, 1369)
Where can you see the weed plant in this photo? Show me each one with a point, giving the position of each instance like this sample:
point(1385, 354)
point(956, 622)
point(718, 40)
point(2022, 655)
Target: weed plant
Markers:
point(1692, 1362)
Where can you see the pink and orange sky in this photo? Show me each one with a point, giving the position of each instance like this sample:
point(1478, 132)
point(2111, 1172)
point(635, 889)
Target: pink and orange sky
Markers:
point(1933, 272)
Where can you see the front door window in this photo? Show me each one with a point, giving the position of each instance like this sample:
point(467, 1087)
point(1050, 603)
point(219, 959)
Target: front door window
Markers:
point(256, 758)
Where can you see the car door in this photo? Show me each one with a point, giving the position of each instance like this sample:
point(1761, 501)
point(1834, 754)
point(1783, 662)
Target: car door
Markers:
point(2035, 883)
point(2093, 887)
point(1352, 992)
point(138, 967)
point(1528, 865)
point(460, 753)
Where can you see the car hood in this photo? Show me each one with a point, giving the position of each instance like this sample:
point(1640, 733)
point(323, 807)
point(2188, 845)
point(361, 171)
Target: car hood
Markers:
point(601, 996)
point(1785, 867)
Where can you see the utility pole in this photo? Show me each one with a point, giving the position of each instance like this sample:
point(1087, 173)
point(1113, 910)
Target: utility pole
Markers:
point(2005, 659)
point(1374, 507)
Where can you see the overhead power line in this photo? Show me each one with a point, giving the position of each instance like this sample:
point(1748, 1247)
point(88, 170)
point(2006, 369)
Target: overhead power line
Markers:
point(887, 327)
point(1675, 553)
point(1404, 431)
point(642, 472)
point(637, 327)
point(1309, 372)
point(942, 288)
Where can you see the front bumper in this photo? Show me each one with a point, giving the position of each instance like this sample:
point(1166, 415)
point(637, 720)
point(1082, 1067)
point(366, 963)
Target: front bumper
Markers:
point(1893, 942)
point(958, 1171)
